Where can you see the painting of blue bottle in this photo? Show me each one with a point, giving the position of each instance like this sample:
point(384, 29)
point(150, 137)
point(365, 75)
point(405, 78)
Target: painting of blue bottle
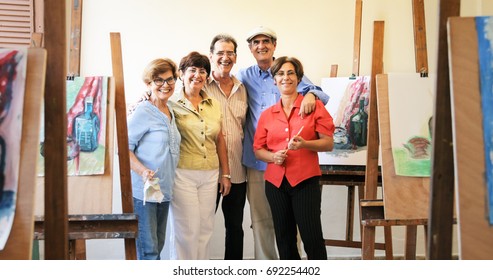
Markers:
point(86, 119)
point(86, 126)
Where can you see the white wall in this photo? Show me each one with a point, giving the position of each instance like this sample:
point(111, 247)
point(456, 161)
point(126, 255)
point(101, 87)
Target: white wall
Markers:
point(319, 32)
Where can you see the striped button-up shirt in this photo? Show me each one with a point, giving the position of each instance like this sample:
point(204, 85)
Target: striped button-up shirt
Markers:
point(234, 109)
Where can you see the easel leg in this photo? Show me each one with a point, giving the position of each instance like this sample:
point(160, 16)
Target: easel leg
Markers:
point(130, 249)
point(368, 243)
point(361, 193)
point(80, 249)
point(350, 213)
point(77, 249)
point(410, 253)
point(389, 254)
point(427, 257)
point(71, 250)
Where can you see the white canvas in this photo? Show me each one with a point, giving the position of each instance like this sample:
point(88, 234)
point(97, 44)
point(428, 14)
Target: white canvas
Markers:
point(410, 112)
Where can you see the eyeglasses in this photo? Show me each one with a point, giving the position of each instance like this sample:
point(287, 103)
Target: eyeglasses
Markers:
point(257, 42)
point(159, 81)
point(288, 73)
point(228, 54)
point(193, 71)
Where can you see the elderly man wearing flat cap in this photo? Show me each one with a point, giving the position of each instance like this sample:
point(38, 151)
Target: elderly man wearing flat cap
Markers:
point(262, 93)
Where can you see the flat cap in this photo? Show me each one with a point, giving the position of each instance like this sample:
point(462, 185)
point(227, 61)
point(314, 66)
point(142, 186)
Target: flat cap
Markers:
point(261, 30)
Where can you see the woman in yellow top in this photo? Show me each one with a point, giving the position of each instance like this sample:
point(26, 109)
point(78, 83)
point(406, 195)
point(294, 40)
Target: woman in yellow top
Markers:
point(202, 153)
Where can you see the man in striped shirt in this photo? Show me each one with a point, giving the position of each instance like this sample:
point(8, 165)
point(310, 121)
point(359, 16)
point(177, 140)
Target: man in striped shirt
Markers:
point(232, 96)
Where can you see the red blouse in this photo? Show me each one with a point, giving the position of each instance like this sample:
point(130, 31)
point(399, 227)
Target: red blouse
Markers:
point(274, 131)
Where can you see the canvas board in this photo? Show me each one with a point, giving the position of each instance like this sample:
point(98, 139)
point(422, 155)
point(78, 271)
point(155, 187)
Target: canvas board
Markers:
point(411, 110)
point(345, 94)
point(474, 229)
point(12, 86)
point(86, 131)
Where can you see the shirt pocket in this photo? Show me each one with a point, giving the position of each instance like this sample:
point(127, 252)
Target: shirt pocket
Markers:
point(239, 111)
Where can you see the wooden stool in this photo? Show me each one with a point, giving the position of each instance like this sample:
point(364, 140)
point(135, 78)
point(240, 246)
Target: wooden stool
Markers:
point(372, 215)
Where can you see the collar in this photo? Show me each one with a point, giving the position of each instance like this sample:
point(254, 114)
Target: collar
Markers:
point(236, 82)
point(297, 104)
point(261, 72)
point(205, 98)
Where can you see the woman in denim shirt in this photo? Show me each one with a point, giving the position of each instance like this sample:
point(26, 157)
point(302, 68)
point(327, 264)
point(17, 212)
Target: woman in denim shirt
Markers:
point(154, 145)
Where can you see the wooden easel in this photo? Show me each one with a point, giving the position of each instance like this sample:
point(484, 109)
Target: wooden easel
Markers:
point(55, 180)
point(95, 221)
point(439, 244)
point(19, 244)
point(342, 175)
point(350, 176)
point(86, 220)
point(122, 135)
point(369, 202)
point(373, 213)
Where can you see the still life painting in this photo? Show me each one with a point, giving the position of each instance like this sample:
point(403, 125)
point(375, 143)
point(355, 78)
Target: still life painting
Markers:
point(348, 106)
point(86, 126)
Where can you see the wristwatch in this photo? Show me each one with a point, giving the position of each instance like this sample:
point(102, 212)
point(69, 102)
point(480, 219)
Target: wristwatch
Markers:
point(226, 176)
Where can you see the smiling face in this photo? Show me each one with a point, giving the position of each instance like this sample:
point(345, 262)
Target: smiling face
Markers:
point(162, 86)
point(195, 68)
point(223, 57)
point(194, 78)
point(286, 79)
point(262, 48)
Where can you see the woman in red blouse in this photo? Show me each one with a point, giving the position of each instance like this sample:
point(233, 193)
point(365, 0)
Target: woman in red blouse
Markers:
point(290, 145)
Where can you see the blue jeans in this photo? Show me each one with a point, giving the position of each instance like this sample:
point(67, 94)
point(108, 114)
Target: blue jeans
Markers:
point(152, 218)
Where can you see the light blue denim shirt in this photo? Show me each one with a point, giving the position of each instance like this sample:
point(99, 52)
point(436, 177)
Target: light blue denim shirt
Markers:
point(262, 93)
point(155, 141)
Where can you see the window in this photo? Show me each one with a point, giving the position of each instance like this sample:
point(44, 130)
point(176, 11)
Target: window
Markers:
point(19, 19)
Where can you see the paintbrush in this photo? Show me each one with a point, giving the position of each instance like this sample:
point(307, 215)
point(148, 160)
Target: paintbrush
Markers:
point(297, 134)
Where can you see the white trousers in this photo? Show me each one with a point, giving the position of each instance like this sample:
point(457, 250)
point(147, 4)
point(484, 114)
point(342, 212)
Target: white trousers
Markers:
point(262, 224)
point(192, 213)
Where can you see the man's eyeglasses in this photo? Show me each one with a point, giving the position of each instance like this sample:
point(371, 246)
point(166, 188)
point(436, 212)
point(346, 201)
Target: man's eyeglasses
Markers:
point(159, 82)
point(257, 42)
point(228, 54)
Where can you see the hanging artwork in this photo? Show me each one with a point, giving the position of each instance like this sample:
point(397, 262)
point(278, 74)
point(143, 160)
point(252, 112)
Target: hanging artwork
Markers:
point(12, 85)
point(348, 107)
point(484, 26)
point(411, 110)
point(86, 129)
